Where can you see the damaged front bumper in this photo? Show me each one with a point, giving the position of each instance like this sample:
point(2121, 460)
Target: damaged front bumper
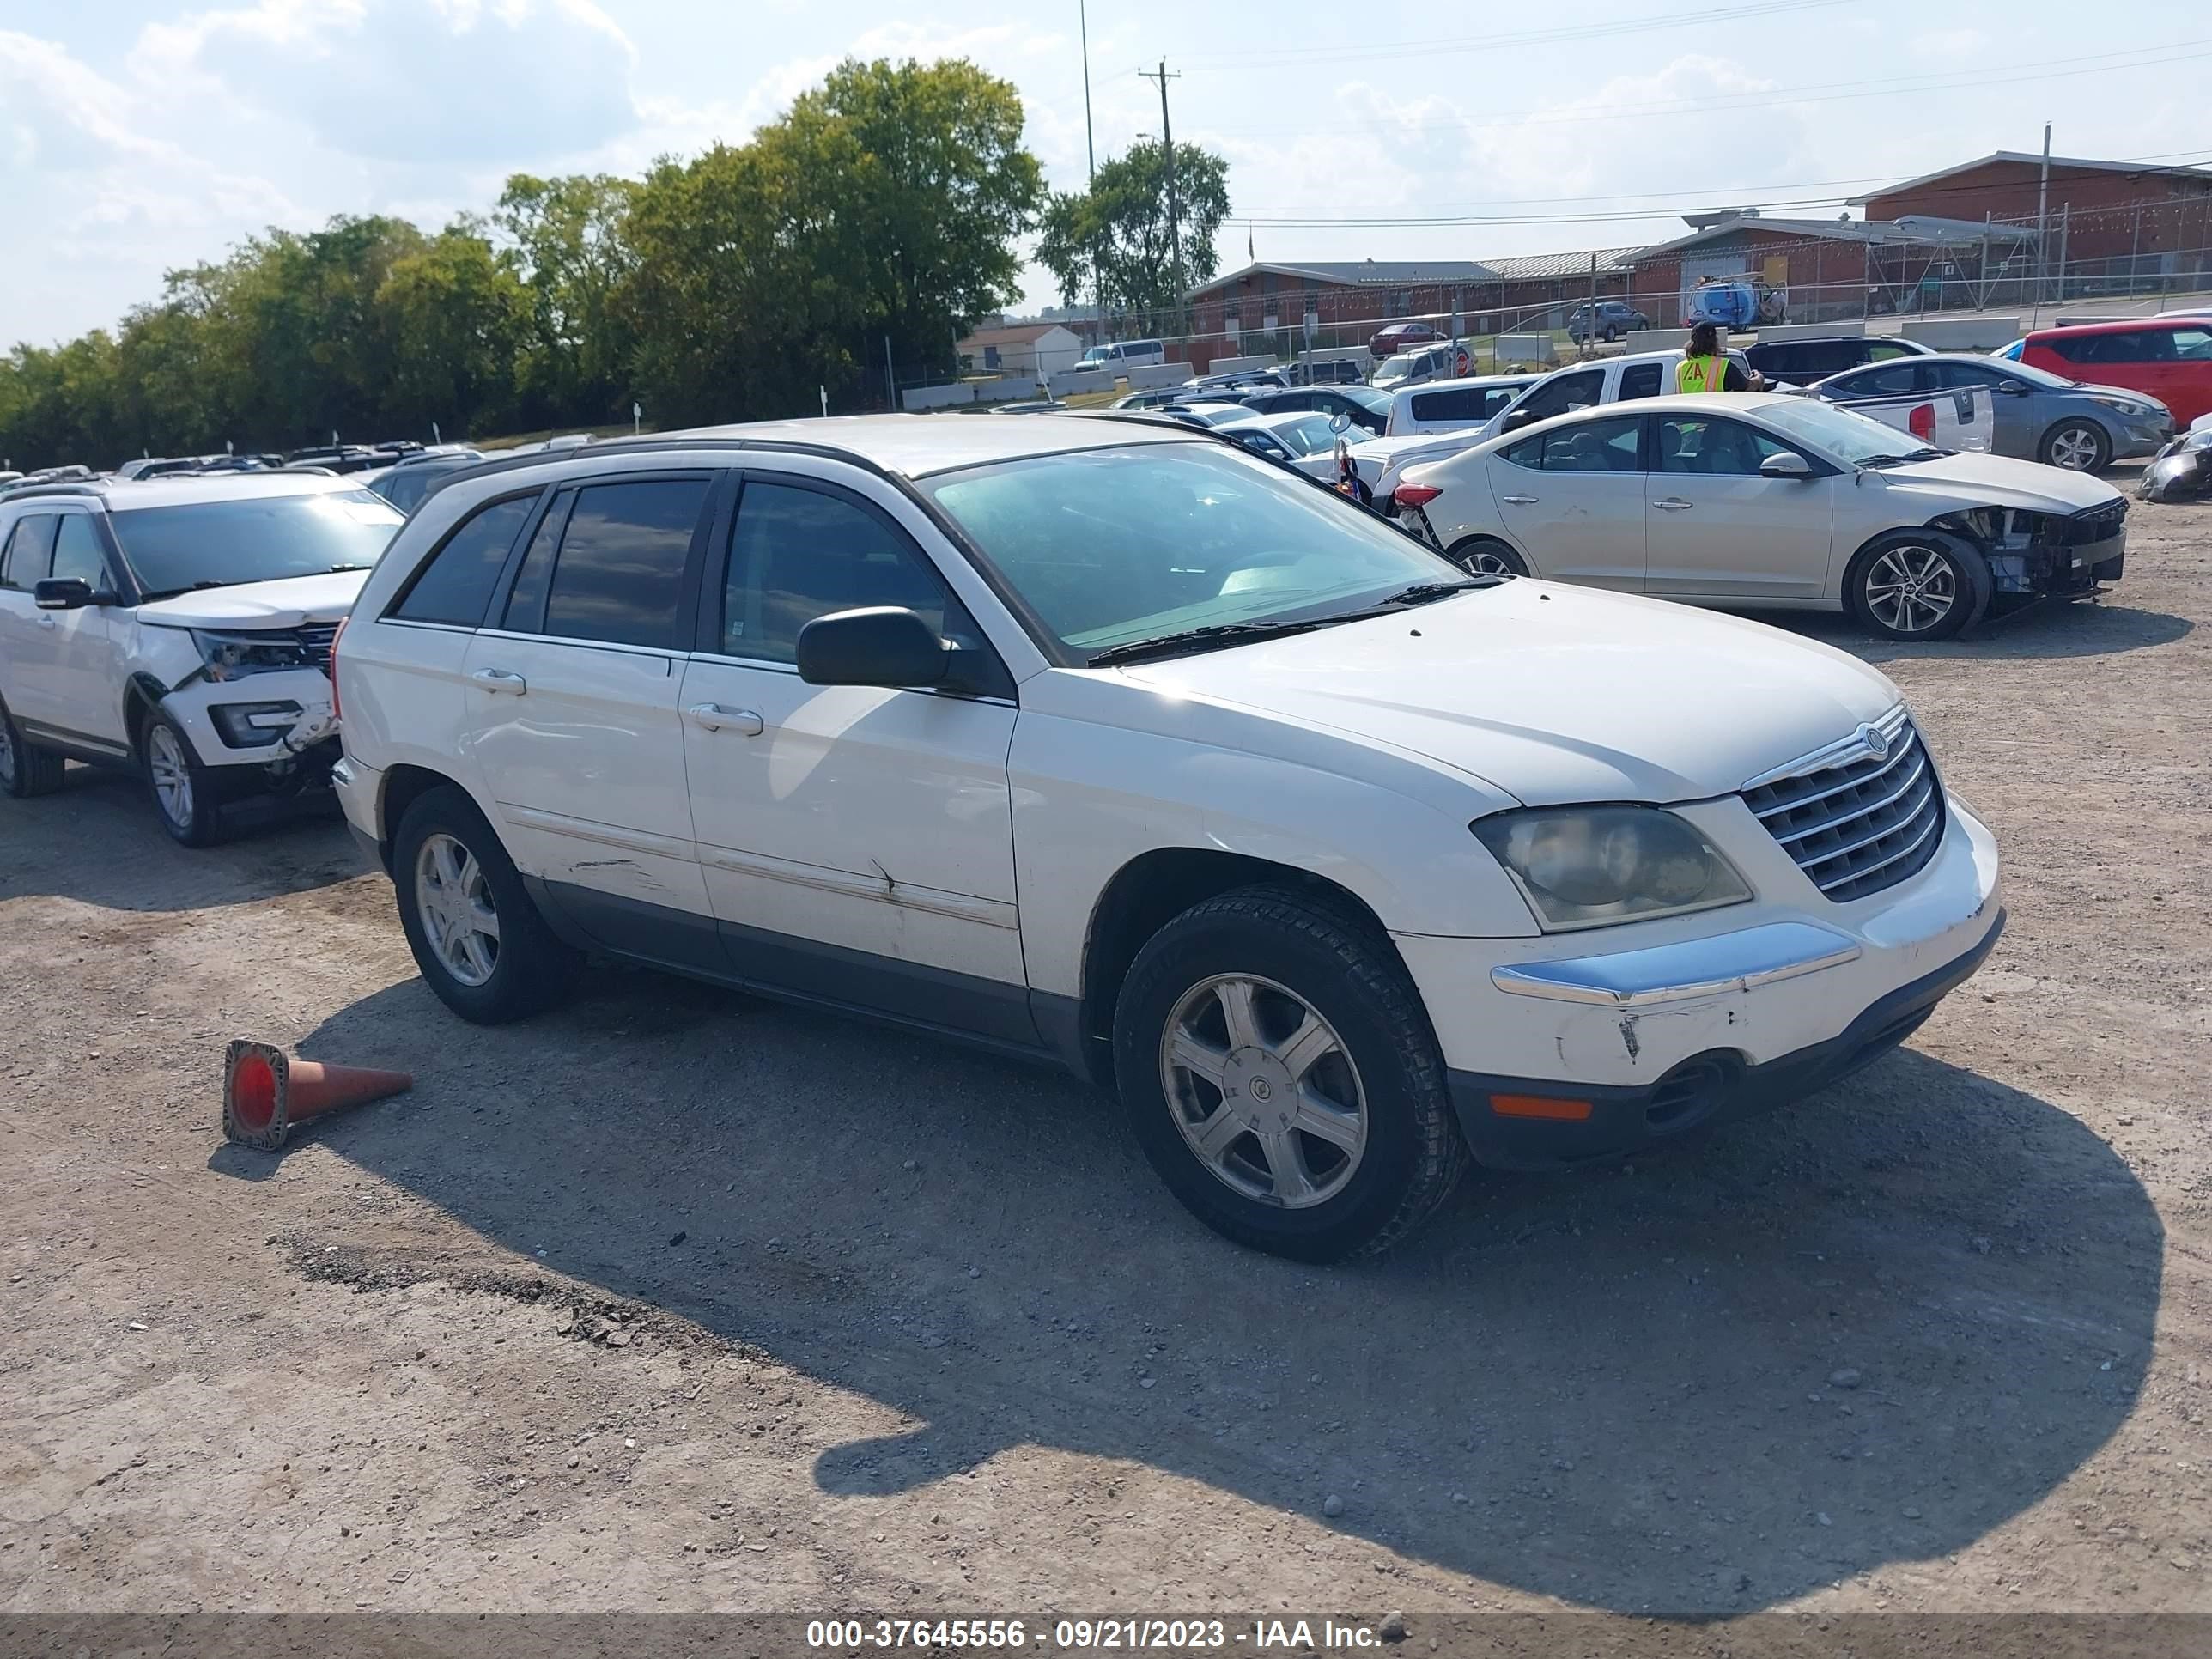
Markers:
point(2182, 471)
point(2050, 555)
point(1590, 1053)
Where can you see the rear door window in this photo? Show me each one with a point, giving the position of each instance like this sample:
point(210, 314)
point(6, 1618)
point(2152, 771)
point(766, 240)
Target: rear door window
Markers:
point(1892, 379)
point(1640, 380)
point(29, 553)
point(457, 584)
point(1608, 445)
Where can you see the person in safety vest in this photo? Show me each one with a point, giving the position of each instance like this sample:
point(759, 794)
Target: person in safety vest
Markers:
point(1703, 368)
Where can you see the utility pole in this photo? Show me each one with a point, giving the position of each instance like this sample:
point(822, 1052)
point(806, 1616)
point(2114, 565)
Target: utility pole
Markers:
point(1175, 220)
point(1091, 179)
point(2043, 215)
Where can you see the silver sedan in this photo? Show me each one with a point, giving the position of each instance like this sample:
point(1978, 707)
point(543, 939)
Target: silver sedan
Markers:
point(2040, 416)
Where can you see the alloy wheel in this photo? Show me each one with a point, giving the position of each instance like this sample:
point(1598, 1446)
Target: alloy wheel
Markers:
point(172, 773)
point(1263, 1091)
point(1486, 562)
point(2074, 448)
point(1912, 589)
point(458, 916)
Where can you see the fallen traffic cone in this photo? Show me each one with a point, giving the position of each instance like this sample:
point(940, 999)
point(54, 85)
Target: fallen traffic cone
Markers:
point(265, 1092)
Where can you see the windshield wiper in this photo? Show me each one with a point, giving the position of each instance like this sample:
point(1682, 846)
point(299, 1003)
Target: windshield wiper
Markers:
point(1194, 639)
point(1921, 454)
point(190, 587)
point(1423, 592)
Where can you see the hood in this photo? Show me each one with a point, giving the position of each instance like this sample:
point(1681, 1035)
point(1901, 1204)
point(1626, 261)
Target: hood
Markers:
point(1999, 481)
point(1556, 695)
point(286, 604)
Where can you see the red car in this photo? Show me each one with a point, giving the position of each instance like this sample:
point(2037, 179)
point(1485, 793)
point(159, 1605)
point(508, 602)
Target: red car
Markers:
point(2168, 358)
point(1401, 336)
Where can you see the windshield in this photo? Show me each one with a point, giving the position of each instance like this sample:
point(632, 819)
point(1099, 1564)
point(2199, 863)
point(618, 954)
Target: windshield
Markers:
point(1109, 545)
point(1374, 402)
point(173, 550)
point(2039, 376)
point(1847, 435)
point(1397, 367)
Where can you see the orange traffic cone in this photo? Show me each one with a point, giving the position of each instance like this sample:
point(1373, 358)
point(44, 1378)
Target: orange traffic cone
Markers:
point(265, 1092)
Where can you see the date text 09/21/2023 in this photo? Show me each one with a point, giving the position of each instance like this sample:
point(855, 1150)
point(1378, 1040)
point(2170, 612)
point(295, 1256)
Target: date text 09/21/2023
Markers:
point(1136, 1634)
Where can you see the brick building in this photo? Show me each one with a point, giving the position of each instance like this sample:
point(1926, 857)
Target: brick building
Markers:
point(1835, 267)
point(2115, 225)
point(1269, 306)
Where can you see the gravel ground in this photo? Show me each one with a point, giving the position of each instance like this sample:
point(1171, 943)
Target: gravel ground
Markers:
point(678, 1301)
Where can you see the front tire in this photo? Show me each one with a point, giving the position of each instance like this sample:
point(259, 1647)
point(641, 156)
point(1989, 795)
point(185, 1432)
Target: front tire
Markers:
point(1485, 556)
point(2077, 446)
point(24, 770)
point(1280, 1073)
point(183, 793)
point(1919, 584)
point(478, 938)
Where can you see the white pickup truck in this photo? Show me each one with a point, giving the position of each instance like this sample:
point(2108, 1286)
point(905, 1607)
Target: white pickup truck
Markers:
point(1963, 418)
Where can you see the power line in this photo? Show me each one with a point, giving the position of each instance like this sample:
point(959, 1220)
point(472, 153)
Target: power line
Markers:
point(1280, 56)
point(2154, 56)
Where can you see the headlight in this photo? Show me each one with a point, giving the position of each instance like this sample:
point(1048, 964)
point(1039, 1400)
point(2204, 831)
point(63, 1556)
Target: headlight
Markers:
point(1589, 865)
point(2197, 439)
point(233, 656)
point(2135, 409)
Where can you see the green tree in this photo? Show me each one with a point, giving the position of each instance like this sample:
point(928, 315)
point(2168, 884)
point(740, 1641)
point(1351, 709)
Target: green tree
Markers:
point(568, 245)
point(1117, 240)
point(455, 316)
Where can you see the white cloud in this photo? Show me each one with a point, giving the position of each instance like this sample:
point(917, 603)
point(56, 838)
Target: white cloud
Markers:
point(455, 82)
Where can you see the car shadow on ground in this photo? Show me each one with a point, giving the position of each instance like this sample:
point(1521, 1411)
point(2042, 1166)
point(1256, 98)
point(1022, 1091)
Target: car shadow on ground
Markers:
point(2100, 628)
point(1866, 1330)
point(273, 848)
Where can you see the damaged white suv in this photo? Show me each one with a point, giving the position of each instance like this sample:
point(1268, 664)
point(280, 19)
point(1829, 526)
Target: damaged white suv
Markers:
point(181, 627)
point(1108, 741)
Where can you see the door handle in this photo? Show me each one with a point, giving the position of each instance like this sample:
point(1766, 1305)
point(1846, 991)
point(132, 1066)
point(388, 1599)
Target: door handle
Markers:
point(1672, 504)
point(1518, 501)
point(499, 680)
point(46, 621)
point(715, 718)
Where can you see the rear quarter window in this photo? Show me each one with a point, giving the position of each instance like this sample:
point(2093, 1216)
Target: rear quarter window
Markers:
point(455, 586)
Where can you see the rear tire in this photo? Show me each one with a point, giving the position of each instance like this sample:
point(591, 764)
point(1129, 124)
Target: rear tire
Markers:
point(1919, 584)
point(183, 793)
point(1332, 1034)
point(478, 938)
point(24, 770)
point(2077, 446)
point(1485, 556)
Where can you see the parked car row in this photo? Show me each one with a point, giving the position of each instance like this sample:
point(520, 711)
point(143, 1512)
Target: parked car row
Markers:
point(1095, 737)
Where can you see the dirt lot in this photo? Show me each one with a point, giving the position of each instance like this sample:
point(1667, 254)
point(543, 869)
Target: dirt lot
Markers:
point(674, 1301)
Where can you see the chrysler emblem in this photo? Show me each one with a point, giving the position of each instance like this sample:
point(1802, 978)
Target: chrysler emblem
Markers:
point(1876, 745)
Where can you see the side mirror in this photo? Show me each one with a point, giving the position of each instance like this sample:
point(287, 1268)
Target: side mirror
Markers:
point(878, 645)
point(1516, 419)
point(2010, 389)
point(64, 593)
point(1787, 464)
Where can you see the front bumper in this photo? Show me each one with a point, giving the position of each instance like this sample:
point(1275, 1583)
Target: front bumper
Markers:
point(235, 723)
point(1560, 1050)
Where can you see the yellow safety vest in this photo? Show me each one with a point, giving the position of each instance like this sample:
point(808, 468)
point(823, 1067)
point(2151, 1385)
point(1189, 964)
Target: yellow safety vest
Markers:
point(1701, 375)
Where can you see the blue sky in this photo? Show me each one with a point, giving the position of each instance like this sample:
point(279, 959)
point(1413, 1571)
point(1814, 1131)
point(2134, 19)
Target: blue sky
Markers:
point(140, 135)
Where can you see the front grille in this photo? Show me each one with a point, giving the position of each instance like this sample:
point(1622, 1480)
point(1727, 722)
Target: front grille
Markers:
point(315, 639)
point(1861, 825)
point(2095, 523)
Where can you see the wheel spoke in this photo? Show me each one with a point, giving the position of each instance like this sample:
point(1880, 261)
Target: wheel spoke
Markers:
point(1211, 1138)
point(1286, 1163)
point(1235, 996)
point(481, 918)
point(1312, 1042)
point(473, 949)
point(1196, 1058)
point(1325, 1121)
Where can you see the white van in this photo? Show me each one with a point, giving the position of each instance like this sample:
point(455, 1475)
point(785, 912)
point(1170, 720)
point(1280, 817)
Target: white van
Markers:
point(1124, 354)
point(1447, 405)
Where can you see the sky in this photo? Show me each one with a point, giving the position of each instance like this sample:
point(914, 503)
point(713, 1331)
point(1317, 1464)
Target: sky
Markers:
point(141, 136)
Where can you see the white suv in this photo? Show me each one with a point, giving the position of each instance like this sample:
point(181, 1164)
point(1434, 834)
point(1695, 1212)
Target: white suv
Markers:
point(181, 627)
point(1111, 742)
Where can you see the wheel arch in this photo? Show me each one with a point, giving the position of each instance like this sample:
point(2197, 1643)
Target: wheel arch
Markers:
point(1151, 890)
point(401, 786)
point(142, 693)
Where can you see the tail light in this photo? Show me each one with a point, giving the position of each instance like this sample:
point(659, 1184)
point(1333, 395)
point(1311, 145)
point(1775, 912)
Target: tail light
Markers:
point(335, 638)
point(1922, 420)
point(1409, 495)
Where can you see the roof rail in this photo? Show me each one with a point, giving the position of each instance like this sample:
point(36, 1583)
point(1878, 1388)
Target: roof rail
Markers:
point(21, 492)
point(318, 472)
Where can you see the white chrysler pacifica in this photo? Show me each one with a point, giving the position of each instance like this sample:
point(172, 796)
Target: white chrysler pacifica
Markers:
point(1113, 742)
